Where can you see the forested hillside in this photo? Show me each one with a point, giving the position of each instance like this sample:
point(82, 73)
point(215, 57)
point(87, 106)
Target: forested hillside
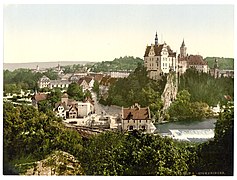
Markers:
point(205, 88)
point(224, 63)
point(127, 63)
point(137, 88)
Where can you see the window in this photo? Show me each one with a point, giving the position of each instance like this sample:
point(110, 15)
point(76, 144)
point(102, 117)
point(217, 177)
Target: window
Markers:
point(134, 121)
point(128, 121)
point(140, 121)
point(143, 127)
point(130, 127)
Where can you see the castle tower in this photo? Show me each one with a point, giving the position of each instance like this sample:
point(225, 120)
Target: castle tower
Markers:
point(183, 50)
point(156, 39)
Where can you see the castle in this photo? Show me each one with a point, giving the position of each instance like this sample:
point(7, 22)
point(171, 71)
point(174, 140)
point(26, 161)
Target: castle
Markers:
point(159, 59)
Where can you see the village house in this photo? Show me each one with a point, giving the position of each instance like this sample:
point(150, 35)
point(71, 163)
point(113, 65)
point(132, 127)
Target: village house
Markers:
point(59, 84)
point(71, 109)
point(82, 82)
point(137, 118)
point(90, 81)
point(118, 74)
point(61, 109)
point(44, 82)
point(72, 113)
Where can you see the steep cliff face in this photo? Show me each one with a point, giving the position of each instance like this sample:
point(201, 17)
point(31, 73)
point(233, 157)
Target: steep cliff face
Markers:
point(170, 90)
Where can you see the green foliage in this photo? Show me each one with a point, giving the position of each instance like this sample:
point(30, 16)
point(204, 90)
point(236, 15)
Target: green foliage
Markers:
point(51, 74)
point(133, 153)
point(137, 88)
point(28, 132)
point(87, 94)
point(183, 109)
point(205, 88)
point(96, 88)
point(73, 68)
point(224, 63)
point(75, 92)
point(20, 79)
point(127, 63)
point(217, 155)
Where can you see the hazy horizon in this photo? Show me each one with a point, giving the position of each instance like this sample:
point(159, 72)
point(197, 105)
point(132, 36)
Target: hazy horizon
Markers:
point(54, 33)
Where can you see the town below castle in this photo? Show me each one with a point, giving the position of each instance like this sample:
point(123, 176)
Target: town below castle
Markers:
point(89, 114)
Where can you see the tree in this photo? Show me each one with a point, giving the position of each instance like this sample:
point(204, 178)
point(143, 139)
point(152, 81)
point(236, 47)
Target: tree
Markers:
point(205, 88)
point(28, 132)
point(217, 155)
point(75, 91)
point(133, 153)
point(96, 88)
point(181, 108)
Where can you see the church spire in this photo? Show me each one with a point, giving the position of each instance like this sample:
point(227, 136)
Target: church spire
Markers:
point(183, 43)
point(156, 39)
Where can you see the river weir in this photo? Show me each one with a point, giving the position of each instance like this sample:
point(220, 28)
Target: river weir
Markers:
point(191, 131)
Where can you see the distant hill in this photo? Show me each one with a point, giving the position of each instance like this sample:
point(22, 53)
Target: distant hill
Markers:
point(127, 63)
point(224, 63)
point(32, 65)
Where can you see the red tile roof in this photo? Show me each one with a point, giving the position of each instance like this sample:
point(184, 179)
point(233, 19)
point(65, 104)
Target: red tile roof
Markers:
point(136, 113)
point(40, 97)
point(196, 60)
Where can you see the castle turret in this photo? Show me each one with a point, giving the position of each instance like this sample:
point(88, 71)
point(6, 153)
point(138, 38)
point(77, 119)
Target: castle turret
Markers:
point(183, 50)
point(156, 39)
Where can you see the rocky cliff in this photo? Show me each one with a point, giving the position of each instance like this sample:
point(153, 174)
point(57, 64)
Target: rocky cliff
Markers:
point(170, 91)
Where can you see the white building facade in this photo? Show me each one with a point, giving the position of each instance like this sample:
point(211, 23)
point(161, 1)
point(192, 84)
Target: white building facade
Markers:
point(159, 59)
point(137, 118)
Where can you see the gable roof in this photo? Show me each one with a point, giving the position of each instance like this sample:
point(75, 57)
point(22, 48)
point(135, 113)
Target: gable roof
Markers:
point(196, 60)
point(81, 80)
point(158, 49)
point(136, 113)
point(73, 107)
point(40, 97)
point(88, 79)
point(98, 77)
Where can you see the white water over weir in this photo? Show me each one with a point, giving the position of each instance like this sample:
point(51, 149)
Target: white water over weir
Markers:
point(191, 135)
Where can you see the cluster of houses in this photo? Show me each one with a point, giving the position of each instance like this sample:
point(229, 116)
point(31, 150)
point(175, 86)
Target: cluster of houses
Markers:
point(131, 118)
point(68, 108)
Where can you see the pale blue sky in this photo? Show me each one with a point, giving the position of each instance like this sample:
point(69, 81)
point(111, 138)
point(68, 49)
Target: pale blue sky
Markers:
point(104, 32)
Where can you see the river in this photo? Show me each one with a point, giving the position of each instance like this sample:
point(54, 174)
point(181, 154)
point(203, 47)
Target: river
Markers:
point(195, 131)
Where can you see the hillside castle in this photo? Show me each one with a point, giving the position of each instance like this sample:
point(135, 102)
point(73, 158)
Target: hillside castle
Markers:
point(159, 59)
